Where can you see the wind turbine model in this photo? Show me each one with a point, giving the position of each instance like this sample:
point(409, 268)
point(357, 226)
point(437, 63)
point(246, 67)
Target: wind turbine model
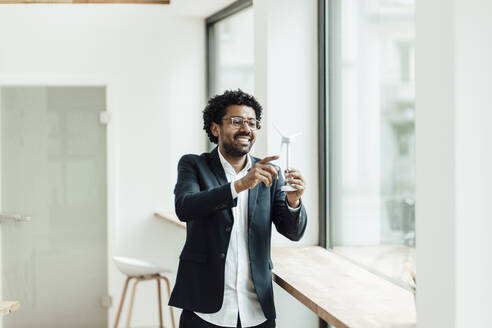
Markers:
point(286, 140)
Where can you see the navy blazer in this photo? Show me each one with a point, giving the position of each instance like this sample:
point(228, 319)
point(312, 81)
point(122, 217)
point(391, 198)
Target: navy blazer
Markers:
point(203, 200)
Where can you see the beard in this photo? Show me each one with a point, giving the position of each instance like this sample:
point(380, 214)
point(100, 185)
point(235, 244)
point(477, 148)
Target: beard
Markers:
point(237, 150)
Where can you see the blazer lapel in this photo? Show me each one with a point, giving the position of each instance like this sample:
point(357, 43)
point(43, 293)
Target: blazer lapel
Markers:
point(219, 173)
point(253, 195)
point(217, 168)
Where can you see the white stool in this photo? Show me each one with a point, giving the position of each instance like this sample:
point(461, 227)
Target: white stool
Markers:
point(141, 271)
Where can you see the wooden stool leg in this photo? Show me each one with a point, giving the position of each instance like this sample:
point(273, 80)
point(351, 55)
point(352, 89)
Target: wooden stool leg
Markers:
point(169, 296)
point(117, 320)
point(160, 301)
point(130, 309)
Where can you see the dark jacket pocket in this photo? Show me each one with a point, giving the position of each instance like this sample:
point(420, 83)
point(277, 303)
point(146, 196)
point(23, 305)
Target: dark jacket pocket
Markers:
point(270, 264)
point(187, 255)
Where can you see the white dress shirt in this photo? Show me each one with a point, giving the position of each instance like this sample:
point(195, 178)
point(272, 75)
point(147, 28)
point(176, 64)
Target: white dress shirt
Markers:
point(239, 292)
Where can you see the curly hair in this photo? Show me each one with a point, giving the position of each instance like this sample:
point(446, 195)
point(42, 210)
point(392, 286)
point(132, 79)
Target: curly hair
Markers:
point(217, 107)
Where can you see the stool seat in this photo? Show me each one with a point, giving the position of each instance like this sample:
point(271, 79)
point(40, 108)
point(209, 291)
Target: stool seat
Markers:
point(138, 271)
point(136, 267)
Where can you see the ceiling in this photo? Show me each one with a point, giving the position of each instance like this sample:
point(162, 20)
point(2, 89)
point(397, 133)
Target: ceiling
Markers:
point(198, 8)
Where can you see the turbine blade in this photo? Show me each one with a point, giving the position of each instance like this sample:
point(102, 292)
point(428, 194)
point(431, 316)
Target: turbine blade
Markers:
point(278, 130)
point(295, 135)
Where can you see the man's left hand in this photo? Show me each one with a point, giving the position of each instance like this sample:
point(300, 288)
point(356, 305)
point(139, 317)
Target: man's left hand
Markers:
point(294, 178)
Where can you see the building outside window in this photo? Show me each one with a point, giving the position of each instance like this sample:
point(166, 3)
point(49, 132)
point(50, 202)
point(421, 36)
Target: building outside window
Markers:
point(371, 134)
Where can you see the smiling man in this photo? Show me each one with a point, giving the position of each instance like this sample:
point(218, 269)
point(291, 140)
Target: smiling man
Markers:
point(229, 201)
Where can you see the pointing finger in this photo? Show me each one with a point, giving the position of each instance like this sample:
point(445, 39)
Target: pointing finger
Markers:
point(269, 159)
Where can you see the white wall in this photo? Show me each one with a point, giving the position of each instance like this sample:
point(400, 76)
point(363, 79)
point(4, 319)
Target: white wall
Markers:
point(473, 164)
point(154, 62)
point(435, 164)
point(286, 84)
point(454, 139)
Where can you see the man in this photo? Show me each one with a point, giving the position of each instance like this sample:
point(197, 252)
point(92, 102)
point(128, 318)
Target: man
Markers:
point(229, 200)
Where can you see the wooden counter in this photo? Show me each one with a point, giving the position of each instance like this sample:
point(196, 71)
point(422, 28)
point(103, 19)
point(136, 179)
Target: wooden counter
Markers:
point(8, 306)
point(338, 291)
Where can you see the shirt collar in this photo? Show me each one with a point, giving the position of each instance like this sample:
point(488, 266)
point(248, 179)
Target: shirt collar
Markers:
point(228, 167)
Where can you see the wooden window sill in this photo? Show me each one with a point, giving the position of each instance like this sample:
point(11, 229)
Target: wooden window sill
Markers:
point(340, 292)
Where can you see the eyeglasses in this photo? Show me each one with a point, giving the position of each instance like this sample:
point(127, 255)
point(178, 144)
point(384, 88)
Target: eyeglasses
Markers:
point(237, 122)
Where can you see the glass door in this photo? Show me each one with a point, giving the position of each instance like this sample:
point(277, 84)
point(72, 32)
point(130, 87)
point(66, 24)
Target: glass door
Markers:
point(53, 205)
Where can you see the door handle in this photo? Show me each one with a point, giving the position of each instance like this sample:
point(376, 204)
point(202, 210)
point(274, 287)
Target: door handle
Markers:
point(5, 218)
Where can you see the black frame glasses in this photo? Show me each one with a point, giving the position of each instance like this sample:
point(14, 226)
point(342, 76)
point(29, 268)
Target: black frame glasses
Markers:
point(238, 121)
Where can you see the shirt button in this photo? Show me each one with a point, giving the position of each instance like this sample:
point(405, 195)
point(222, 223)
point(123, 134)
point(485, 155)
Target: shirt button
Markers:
point(222, 255)
point(228, 229)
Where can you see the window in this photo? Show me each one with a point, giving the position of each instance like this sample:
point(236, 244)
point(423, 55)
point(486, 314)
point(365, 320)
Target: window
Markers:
point(231, 49)
point(371, 134)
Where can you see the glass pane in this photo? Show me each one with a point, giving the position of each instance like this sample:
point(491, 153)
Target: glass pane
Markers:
point(234, 53)
point(53, 168)
point(373, 131)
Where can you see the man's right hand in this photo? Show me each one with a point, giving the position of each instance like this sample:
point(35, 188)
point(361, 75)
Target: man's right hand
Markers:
point(260, 172)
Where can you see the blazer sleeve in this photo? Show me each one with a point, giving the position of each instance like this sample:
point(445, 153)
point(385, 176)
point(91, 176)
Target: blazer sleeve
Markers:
point(190, 202)
point(291, 224)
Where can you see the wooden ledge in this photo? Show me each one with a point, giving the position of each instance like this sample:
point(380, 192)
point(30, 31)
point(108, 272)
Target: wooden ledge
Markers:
point(8, 306)
point(170, 217)
point(340, 292)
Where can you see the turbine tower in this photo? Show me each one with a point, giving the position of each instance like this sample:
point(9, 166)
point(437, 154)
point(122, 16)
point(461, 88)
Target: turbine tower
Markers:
point(286, 140)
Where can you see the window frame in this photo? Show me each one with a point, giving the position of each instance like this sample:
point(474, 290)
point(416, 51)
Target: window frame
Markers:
point(210, 22)
point(323, 129)
point(327, 22)
point(324, 110)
